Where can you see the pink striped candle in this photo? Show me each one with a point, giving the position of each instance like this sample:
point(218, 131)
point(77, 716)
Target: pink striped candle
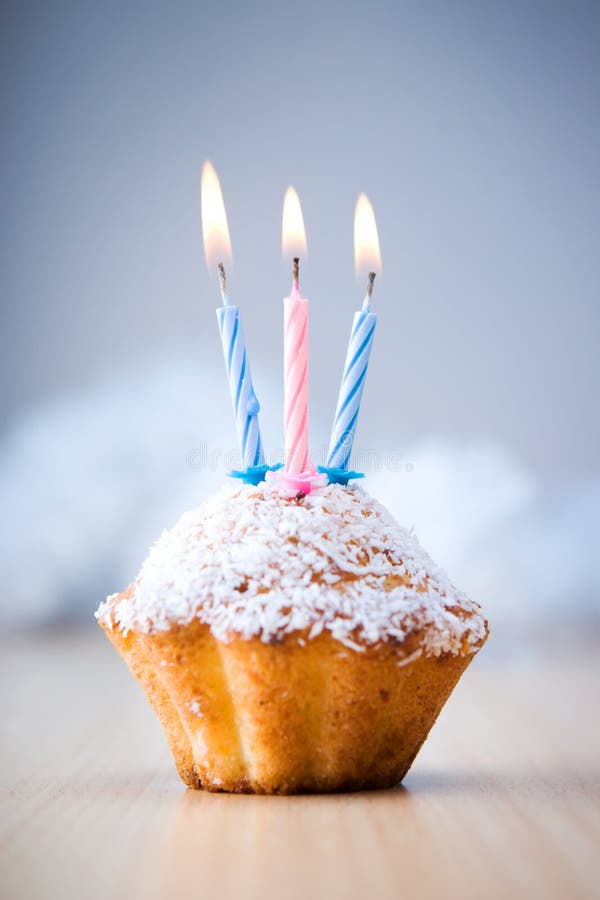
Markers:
point(299, 475)
point(296, 379)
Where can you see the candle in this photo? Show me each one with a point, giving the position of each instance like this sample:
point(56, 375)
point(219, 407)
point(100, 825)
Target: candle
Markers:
point(243, 398)
point(353, 382)
point(295, 347)
point(296, 378)
point(366, 251)
point(299, 476)
point(217, 245)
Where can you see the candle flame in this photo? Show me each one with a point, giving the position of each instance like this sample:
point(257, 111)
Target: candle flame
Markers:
point(367, 257)
point(217, 245)
point(293, 233)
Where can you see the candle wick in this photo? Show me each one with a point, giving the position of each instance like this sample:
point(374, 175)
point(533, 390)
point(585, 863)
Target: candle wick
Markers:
point(369, 294)
point(223, 283)
point(295, 270)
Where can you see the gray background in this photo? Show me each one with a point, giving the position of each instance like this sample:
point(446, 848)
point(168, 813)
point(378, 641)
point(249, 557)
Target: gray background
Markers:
point(475, 130)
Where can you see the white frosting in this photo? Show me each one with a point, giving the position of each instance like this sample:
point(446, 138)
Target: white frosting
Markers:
point(251, 562)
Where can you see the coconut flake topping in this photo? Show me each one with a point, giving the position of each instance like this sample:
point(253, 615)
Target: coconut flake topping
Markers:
point(251, 562)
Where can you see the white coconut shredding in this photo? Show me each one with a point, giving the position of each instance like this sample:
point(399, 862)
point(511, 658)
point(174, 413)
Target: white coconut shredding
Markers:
point(251, 562)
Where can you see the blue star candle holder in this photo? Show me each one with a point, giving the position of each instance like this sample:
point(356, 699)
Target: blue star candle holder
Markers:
point(254, 474)
point(335, 475)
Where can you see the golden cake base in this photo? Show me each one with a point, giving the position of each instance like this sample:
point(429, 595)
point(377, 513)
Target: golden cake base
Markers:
point(284, 718)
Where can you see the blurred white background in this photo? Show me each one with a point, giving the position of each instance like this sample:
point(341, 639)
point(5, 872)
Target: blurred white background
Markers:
point(475, 130)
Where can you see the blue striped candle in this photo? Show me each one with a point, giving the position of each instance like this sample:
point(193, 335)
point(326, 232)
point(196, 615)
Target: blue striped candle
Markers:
point(243, 398)
point(353, 382)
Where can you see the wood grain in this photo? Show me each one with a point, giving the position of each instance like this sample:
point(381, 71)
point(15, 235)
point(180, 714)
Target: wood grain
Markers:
point(503, 800)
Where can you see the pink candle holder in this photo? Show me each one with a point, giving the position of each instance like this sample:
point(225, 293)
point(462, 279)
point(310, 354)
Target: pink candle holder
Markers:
point(294, 483)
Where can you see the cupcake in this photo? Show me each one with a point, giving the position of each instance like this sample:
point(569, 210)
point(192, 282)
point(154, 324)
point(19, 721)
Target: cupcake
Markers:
point(293, 644)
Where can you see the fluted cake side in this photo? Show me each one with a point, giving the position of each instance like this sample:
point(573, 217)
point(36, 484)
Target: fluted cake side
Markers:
point(251, 717)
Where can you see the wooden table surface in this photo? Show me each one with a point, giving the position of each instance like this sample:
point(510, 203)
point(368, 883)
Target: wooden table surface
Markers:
point(503, 800)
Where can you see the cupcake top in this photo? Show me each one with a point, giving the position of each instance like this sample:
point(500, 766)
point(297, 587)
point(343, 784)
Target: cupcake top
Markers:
point(252, 563)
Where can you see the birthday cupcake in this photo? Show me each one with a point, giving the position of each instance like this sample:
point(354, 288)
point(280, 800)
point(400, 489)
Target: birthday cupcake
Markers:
point(293, 644)
point(290, 635)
